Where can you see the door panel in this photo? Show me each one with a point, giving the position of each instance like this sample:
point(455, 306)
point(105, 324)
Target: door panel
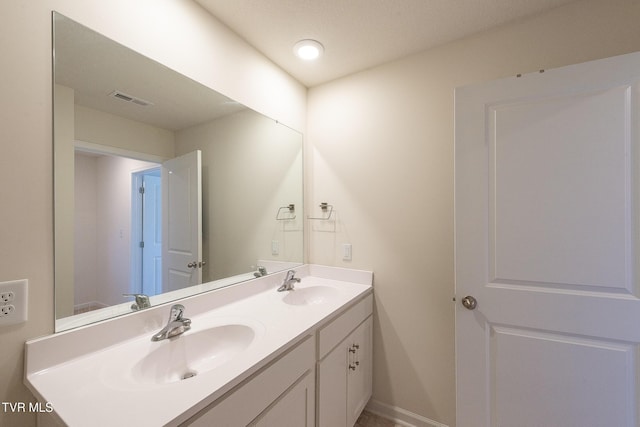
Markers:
point(559, 167)
point(546, 236)
point(534, 370)
point(295, 408)
point(332, 388)
point(182, 221)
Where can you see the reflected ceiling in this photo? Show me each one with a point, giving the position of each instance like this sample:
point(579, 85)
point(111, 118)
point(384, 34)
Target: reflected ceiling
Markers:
point(95, 67)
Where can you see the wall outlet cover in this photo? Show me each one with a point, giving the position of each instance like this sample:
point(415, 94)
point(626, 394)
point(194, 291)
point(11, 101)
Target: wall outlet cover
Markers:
point(13, 302)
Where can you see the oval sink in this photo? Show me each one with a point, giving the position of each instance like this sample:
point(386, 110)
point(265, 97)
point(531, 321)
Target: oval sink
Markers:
point(310, 296)
point(188, 355)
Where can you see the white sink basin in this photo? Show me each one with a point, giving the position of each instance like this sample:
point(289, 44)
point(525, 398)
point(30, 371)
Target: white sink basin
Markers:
point(188, 355)
point(311, 295)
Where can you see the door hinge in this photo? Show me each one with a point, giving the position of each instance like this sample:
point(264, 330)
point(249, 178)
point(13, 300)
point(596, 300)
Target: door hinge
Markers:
point(141, 190)
point(142, 244)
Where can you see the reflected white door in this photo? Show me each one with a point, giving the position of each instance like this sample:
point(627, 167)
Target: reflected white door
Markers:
point(151, 235)
point(546, 211)
point(182, 221)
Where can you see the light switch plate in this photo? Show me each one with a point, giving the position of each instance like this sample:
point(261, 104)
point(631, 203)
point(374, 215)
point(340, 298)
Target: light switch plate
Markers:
point(346, 251)
point(13, 302)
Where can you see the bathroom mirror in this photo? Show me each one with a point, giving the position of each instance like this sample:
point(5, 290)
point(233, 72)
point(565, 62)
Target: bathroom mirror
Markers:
point(131, 217)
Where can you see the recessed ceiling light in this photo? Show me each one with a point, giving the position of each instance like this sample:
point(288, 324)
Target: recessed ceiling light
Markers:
point(308, 49)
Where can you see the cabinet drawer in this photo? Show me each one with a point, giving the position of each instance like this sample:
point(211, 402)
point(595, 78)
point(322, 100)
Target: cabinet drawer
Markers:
point(334, 332)
point(243, 404)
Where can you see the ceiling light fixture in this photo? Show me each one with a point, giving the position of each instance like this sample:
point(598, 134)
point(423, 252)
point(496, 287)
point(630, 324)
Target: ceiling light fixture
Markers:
point(308, 49)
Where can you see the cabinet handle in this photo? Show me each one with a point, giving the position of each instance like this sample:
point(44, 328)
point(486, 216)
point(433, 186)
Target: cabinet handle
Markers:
point(354, 349)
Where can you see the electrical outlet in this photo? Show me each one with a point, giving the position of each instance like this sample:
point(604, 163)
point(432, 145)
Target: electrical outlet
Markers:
point(13, 302)
point(6, 310)
point(6, 297)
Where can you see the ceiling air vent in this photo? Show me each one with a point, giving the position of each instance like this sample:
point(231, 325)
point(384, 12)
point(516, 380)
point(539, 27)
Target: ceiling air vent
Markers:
point(128, 98)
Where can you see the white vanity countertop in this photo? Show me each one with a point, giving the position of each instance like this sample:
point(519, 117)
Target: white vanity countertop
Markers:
point(86, 373)
point(98, 315)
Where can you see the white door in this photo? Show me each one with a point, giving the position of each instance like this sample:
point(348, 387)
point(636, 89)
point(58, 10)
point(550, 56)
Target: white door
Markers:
point(547, 211)
point(182, 221)
point(151, 234)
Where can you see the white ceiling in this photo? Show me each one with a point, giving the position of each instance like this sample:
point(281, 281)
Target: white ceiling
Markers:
point(359, 34)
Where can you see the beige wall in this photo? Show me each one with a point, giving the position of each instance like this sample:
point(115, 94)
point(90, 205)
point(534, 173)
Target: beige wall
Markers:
point(262, 159)
point(114, 132)
point(85, 241)
point(113, 213)
point(380, 147)
point(197, 45)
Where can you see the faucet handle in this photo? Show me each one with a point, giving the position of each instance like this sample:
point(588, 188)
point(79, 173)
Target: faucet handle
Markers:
point(291, 276)
point(177, 310)
point(142, 301)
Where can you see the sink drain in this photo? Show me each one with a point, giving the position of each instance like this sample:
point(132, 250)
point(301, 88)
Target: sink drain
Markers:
point(189, 375)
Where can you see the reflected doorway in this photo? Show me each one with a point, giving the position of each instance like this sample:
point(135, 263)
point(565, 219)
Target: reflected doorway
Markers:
point(103, 237)
point(137, 226)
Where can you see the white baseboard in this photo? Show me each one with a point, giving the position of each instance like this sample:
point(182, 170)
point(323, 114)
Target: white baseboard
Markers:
point(90, 304)
point(400, 416)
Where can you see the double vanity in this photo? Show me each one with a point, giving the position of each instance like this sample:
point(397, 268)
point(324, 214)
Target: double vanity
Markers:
point(247, 354)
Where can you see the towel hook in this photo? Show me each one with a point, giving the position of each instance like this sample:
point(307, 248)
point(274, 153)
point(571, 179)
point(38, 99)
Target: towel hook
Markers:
point(325, 207)
point(291, 207)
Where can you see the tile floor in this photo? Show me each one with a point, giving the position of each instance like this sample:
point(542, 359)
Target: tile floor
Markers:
point(367, 419)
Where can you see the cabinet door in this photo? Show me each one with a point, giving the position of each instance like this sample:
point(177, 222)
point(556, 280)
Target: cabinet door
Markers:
point(295, 408)
point(267, 389)
point(332, 388)
point(359, 373)
point(344, 379)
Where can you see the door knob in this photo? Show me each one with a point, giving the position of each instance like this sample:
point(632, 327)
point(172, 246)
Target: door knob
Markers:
point(469, 302)
point(192, 264)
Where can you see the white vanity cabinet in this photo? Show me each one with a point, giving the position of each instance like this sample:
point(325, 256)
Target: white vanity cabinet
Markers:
point(345, 366)
point(281, 395)
point(308, 362)
point(284, 393)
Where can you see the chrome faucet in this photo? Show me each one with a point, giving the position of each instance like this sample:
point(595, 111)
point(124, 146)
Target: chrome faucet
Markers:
point(289, 281)
point(177, 325)
point(142, 301)
point(262, 271)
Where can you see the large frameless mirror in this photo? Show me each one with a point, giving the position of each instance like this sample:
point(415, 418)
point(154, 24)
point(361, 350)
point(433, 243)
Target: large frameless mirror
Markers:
point(163, 187)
